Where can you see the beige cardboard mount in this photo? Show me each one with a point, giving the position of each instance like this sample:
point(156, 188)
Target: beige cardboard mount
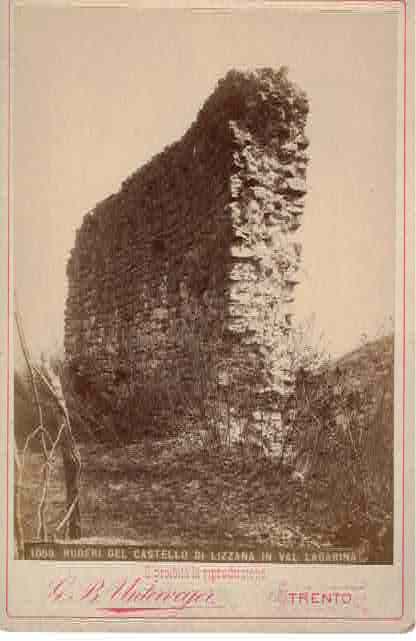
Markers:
point(171, 539)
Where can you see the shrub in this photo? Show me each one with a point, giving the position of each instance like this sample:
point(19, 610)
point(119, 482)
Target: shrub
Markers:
point(339, 438)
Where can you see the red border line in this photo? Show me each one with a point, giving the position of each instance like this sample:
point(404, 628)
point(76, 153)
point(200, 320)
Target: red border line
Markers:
point(9, 113)
point(404, 290)
point(347, 619)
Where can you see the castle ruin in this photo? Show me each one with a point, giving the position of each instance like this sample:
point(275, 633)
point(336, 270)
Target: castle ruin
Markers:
point(207, 227)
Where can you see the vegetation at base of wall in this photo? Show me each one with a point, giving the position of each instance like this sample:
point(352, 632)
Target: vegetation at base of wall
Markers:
point(343, 443)
point(335, 468)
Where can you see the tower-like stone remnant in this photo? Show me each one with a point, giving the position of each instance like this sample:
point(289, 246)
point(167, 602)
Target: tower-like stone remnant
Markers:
point(209, 224)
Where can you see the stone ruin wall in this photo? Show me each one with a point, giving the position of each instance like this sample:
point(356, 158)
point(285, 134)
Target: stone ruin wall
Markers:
point(208, 224)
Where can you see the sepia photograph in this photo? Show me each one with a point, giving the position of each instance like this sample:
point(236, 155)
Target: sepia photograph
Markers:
point(207, 348)
point(205, 210)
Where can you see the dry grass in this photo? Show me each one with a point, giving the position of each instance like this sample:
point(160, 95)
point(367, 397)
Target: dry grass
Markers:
point(172, 489)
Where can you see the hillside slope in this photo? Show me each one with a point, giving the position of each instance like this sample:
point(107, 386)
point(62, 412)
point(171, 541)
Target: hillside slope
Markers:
point(334, 490)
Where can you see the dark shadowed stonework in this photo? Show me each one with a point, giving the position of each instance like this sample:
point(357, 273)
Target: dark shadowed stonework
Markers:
point(206, 228)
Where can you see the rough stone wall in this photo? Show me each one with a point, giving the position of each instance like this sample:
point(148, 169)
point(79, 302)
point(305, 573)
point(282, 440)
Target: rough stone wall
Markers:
point(208, 224)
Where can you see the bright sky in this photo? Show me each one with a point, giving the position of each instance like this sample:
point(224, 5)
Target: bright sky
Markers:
point(97, 92)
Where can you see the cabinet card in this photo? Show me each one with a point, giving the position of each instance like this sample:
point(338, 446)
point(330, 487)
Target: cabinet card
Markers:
point(207, 336)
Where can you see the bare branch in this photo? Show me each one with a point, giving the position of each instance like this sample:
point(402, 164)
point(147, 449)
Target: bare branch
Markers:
point(31, 437)
point(64, 438)
point(42, 534)
point(67, 515)
point(19, 534)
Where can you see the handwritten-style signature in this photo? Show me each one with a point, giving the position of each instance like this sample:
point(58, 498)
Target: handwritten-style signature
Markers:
point(129, 596)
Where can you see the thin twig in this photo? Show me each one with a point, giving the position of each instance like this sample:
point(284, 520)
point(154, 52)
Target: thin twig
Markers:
point(65, 432)
point(67, 515)
point(42, 531)
point(60, 402)
point(70, 452)
point(20, 539)
point(29, 364)
point(43, 502)
point(30, 438)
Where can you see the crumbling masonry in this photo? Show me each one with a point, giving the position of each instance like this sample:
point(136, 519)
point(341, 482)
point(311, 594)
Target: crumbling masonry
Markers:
point(208, 225)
